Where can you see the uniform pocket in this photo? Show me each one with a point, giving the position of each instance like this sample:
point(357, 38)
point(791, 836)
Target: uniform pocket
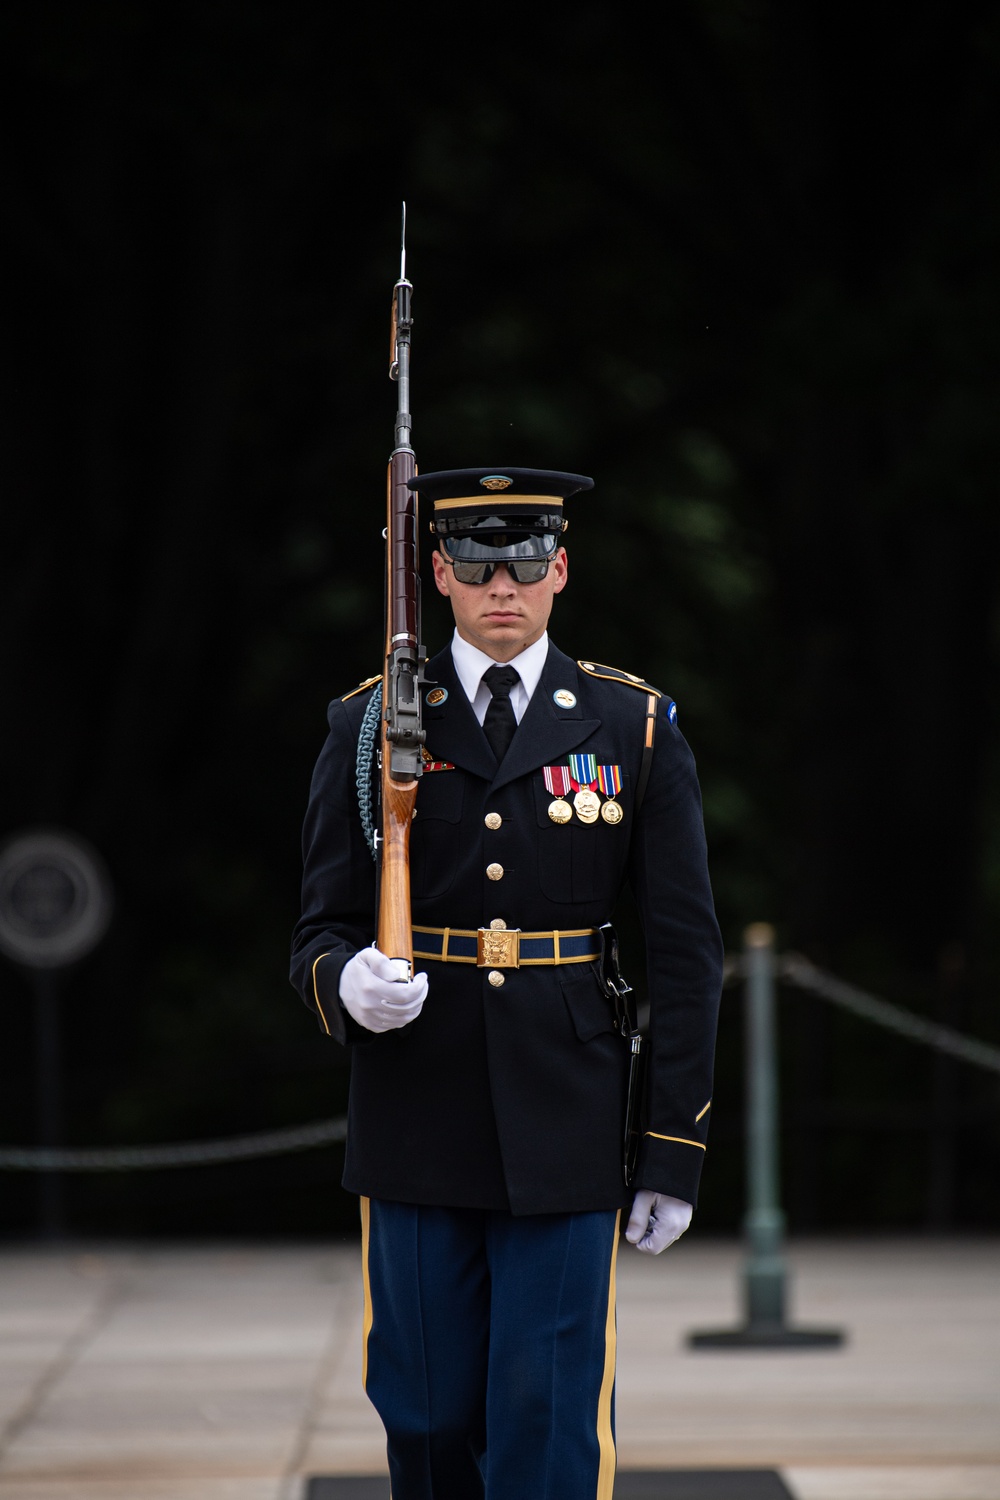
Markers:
point(590, 1009)
point(578, 862)
point(433, 859)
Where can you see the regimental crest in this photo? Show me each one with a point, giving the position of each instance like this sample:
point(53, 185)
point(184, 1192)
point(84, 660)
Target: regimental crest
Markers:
point(435, 696)
point(496, 482)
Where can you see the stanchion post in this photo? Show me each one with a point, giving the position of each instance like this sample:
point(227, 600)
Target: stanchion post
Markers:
point(764, 1271)
point(48, 1099)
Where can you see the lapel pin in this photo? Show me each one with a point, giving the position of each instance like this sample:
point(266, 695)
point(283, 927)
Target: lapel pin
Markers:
point(436, 696)
point(563, 698)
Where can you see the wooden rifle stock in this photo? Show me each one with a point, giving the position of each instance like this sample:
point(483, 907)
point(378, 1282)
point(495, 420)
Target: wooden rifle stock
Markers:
point(402, 734)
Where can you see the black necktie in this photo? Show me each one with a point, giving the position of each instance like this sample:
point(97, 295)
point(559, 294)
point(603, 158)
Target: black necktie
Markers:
point(500, 722)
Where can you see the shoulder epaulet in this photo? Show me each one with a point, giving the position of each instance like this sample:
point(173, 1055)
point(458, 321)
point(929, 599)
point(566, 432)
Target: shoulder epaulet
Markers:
point(614, 674)
point(368, 682)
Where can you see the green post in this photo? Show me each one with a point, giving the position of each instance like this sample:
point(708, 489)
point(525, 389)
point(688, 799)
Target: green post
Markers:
point(764, 1272)
point(763, 1222)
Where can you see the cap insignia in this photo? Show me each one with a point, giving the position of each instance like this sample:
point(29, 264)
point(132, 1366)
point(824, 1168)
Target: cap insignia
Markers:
point(496, 482)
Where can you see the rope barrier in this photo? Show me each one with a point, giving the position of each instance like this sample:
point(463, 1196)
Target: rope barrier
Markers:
point(180, 1154)
point(791, 967)
point(795, 969)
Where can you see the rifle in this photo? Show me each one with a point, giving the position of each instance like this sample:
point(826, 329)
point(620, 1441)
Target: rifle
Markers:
point(400, 762)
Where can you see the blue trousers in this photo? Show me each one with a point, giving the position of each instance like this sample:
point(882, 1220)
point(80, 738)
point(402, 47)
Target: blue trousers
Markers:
point(489, 1350)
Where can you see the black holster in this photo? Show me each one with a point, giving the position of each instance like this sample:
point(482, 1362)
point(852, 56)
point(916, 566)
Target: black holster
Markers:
point(619, 992)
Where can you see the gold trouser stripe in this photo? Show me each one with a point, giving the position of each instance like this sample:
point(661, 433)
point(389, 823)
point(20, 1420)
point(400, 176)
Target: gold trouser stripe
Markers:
point(605, 1436)
point(702, 1112)
point(683, 1139)
point(488, 499)
point(366, 1326)
point(316, 995)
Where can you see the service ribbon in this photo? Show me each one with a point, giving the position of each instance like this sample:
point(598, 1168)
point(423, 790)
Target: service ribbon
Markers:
point(557, 780)
point(609, 779)
point(583, 771)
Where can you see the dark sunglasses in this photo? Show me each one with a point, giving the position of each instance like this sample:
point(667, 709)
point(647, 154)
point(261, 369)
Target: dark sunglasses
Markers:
point(521, 569)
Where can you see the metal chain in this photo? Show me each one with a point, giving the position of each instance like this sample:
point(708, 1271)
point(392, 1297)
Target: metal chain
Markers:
point(363, 770)
point(181, 1154)
point(797, 970)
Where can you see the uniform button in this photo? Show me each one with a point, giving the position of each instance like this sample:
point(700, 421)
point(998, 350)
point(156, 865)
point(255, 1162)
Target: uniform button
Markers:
point(493, 820)
point(495, 872)
point(495, 978)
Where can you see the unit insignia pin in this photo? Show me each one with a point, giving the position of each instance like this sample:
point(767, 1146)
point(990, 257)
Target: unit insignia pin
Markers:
point(563, 698)
point(672, 713)
point(435, 696)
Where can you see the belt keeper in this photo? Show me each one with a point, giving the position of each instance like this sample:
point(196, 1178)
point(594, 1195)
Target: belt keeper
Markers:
point(498, 948)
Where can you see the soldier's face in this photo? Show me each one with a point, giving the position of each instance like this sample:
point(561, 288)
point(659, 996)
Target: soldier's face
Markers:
point(501, 617)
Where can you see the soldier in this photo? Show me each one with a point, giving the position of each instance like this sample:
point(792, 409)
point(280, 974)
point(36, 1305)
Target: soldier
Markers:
point(488, 1093)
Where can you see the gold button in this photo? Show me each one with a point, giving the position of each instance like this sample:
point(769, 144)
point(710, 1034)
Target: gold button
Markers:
point(493, 820)
point(495, 872)
point(498, 925)
point(495, 978)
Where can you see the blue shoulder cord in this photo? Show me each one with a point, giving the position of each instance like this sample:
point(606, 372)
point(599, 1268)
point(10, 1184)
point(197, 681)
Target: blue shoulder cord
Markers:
point(363, 774)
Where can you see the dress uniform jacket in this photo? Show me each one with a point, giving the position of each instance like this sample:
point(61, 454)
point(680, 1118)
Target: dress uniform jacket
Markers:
point(512, 1095)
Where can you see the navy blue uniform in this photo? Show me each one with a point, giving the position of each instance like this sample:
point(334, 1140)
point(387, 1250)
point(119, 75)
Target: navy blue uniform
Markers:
point(509, 1097)
point(514, 1096)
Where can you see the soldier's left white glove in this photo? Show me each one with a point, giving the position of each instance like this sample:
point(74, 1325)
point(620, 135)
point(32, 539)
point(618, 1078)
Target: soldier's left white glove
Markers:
point(656, 1221)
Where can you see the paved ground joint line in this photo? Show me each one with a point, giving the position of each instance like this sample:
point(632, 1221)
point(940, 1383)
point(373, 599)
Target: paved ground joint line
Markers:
point(91, 1324)
point(292, 1482)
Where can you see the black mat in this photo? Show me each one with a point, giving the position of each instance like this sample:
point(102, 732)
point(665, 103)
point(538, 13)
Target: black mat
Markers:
point(630, 1484)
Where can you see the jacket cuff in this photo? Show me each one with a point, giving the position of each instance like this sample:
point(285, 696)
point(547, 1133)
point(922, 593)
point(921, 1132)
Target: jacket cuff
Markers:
point(325, 984)
point(670, 1164)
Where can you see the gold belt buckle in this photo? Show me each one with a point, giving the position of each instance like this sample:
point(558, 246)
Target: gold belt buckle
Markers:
point(498, 948)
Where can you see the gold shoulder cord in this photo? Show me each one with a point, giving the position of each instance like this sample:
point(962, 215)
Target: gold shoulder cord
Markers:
point(368, 682)
point(615, 674)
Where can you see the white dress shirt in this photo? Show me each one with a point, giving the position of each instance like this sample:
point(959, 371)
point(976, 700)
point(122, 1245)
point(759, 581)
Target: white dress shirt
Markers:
point(471, 663)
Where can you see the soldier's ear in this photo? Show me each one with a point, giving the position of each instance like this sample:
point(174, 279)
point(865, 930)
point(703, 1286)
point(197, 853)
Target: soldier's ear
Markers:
point(440, 574)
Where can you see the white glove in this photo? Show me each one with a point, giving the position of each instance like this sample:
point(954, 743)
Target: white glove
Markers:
point(656, 1221)
point(371, 993)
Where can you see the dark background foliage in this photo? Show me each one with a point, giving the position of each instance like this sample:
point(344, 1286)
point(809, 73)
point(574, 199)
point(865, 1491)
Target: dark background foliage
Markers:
point(739, 263)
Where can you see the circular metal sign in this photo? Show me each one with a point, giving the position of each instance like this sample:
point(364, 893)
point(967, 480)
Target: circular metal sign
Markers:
point(55, 899)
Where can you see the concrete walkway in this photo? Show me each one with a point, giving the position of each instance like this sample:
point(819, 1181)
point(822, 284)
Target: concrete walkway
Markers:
point(229, 1373)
